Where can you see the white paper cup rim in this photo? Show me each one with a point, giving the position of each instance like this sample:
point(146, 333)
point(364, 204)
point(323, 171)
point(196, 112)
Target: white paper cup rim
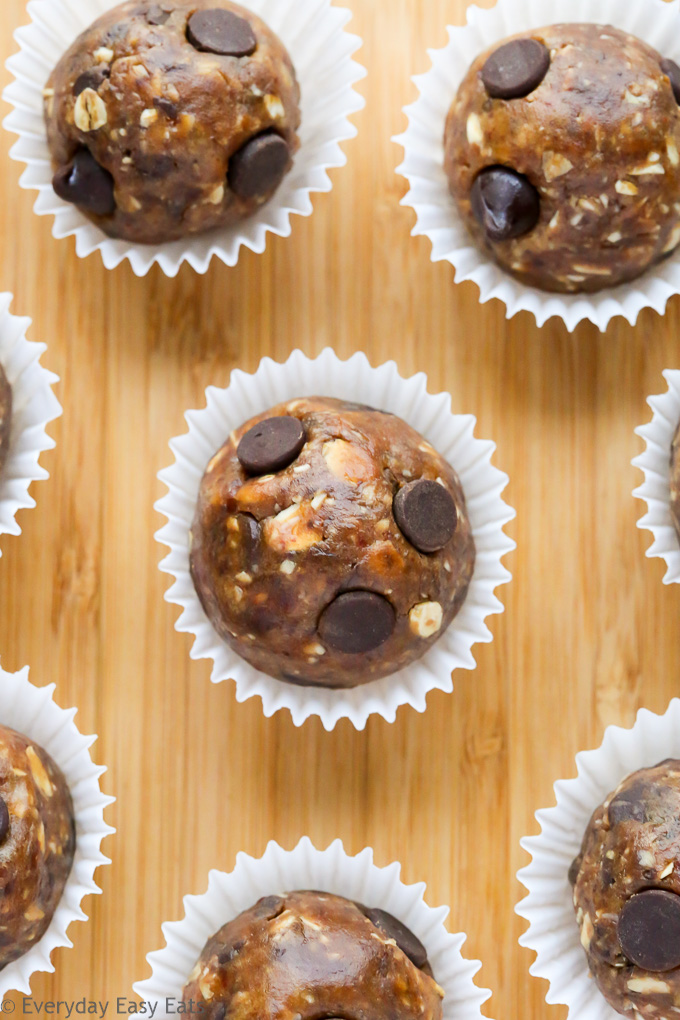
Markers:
point(656, 21)
point(452, 435)
point(33, 712)
point(332, 870)
point(321, 50)
point(655, 464)
point(553, 933)
point(34, 406)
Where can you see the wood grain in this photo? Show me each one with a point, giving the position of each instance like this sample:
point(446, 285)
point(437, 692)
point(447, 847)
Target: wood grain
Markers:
point(589, 633)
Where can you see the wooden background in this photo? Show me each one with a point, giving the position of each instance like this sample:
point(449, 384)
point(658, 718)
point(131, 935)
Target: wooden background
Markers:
point(588, 636)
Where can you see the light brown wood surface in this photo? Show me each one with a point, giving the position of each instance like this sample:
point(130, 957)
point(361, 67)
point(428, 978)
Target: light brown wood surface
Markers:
point(588, 636)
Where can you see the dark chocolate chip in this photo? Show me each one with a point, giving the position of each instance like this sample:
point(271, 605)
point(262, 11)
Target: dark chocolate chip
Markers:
point(258, 168)
point(649, 930)
point(219, 1012)
point(574, 870)
point(516, 69)
point(271, 445)
point(167, 107)
point(357, 622)
point(4, 821)
point(86, 184)
point(426, 514)
point(268, 908)
point(670, 68)
point(230, 952)
point(403, 936)
point(156, 15)
point(91, 79)
point(505, 203)
point(220, 31)
point(628, 806)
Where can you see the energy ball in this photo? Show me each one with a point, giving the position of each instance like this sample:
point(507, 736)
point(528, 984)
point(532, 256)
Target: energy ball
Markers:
point(5, 416)
point(168, 118)
point(331, 544)
point(562, 151)
point(37, 842)
point(627, 893)
point(307, 955)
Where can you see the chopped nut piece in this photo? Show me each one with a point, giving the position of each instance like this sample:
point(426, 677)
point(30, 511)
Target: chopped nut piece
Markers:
point(148, 117)
point(555, 165)
point(426, 619)
point(287, 567)
point(89, 112)
point(648, 986)
point(348, 462)
point(626, 188)
point(274, 107)
point(216, 196)
point(104, 55)
point(475, 135)
point(42, 780)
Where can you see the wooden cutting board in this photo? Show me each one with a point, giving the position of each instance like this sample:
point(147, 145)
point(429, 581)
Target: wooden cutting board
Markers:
point(588, 636)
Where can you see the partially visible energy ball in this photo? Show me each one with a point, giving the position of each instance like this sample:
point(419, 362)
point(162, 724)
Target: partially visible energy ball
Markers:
point(331, 544)
point(627, 893)
point(169, 118)
point(5, 416)
point(562, 150)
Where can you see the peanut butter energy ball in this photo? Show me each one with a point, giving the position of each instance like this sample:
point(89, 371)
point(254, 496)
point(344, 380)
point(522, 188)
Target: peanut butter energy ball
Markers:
point(331, 544)
point(308, 955)
point(627, 894)
point(562, 153)
point(37, 842)
point(5, 416)
point(171, 117)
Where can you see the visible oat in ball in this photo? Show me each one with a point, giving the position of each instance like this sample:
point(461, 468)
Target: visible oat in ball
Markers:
point(306, 955)
point(37, 842)
point(331, 544)
point(627, 893)
point(172, 118)
point(562, 150)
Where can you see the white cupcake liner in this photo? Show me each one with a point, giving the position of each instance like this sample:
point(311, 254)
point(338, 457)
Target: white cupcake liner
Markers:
point(451, 435)
point(655, 21)
point(331, 870)
point(655, 462)
point(34, 406)
point(553, 933)
point(32, 711)
point(313, 32)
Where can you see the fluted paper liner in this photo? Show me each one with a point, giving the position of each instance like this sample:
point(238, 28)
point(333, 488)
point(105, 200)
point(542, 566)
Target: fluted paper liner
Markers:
point(34, 406)
point(654, 21)
point(313, 32)
point(32, 711)
point(331, 870)
point(553, 933)
point(452, 435)
point(655, 463)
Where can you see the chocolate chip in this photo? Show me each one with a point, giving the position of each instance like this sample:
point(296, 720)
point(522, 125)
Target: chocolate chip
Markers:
point(259, 167)
point(167, 107)
point(91, 79)
point(4, 821)
point(628, 806)
point(505, 203)
point(219, 1012)
point(156, 15)
point(268, 908)
point(426, 514)
point(356, 622)
point(670, 68)
point(271, 445)
point(403, 936)
point(86, 184)
point(649, 930)
point(516, 69)
point(220, 31)
point(574, 870)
